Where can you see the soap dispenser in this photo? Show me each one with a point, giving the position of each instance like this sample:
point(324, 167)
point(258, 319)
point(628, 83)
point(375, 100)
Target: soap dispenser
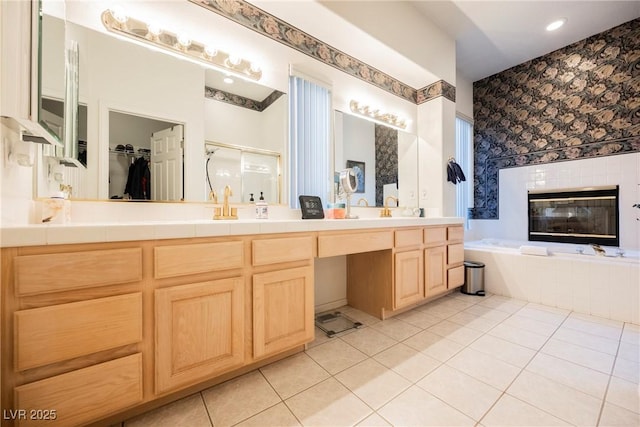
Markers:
point(262, 208)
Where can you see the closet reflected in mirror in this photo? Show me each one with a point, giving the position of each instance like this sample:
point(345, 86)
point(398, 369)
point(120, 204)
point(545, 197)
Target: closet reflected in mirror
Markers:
point(145, 158)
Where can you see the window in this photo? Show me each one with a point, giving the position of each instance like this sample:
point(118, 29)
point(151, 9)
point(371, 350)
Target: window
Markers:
point(464, 157)
point(310, 138)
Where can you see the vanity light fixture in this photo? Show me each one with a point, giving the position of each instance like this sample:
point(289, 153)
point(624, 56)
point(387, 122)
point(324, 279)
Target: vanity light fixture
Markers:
point(376, 115)
point(556, 24)
point(178, 44)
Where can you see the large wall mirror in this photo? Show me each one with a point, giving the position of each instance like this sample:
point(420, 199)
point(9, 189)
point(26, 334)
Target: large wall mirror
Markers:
point(133, 93)
point(384, 159)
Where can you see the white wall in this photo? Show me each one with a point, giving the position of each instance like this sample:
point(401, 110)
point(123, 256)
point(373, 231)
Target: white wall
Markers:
point(464, 95)
point(622, 170)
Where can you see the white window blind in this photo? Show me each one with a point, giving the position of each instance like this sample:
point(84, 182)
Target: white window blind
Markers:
point(464, 157)
point(310, 137)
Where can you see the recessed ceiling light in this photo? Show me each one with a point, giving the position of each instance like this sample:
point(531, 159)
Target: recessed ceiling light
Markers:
point(556, 24)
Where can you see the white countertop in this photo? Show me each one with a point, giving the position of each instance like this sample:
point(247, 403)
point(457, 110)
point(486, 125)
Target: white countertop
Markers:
point(50, 234)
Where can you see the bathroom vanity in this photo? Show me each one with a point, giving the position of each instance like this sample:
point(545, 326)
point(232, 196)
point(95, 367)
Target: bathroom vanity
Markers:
point(95, 332)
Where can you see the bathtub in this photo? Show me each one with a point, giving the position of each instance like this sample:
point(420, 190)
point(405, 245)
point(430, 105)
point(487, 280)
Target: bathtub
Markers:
point(605, 286)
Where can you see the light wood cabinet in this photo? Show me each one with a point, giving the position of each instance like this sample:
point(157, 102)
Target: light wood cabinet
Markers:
point(282, 310)
point(409, 278)
point(199, 331)
point(435, 270)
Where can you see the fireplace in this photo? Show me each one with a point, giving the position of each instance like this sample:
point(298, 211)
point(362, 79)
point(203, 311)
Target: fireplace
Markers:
point(575, 215)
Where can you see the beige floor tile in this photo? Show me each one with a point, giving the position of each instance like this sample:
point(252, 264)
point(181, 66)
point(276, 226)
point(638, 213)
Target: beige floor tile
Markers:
point(396, 329)
point(328, 404)
point(631, 334)
point(504, 350)
point(557, 399)
point(531, 325)
point(419, 319)
point(505, 304)
point(436, 310)
point(374, 420)
point(581, 355)
point(465, 393)
point(373, 383)
point(510, 411)
point(629, 352)
point(278, 415)
point(369, 341)
point(593, 326)
point(615, 416)
point(554, 316)
point(485, 368)
point(519, 336)
point(320, 338)
point(359, 316)
point(455, 332)
point(416, 407)
point(596, 319)
point(187, 412)
point(487, 312)
point(627, 370)
point(473, 321)
point(583, 339)
point(408, 362)
point(294, 374)
point(336, 355)
point(238, 399)
point(624, 394)
point(434, 345)
point(570, 374)
point(456, 303)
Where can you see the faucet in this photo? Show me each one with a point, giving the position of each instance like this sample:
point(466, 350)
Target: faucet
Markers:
point(226, 212)
point(386, 212)
point(362, 199)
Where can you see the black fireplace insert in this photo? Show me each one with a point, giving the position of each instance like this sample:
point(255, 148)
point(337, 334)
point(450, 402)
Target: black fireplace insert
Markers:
point(576, 215)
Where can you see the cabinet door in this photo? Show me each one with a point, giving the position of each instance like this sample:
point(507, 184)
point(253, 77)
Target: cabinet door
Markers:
point(435, 262)
point(282, 310)
point(409, 278)
point(199, 331)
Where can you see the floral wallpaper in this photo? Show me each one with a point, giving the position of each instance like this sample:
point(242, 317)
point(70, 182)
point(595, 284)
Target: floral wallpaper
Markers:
point(580, 101)
point(258, 20)
point(386, 146)
point(241, 101)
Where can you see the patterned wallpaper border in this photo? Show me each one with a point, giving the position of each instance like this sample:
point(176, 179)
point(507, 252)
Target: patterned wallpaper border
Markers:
point(581, 101)
point(241, 101)
point(256, 19)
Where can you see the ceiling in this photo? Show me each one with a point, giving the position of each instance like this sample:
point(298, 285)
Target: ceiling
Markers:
point(492, 36)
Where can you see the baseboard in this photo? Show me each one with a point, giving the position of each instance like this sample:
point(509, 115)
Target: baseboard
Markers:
point(330, 305)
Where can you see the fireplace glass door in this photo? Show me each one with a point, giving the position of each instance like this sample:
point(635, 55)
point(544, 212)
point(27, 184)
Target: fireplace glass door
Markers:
point(575, 216)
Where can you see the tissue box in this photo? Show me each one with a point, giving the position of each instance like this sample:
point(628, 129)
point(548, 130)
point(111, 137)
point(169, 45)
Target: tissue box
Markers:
point(335, 211)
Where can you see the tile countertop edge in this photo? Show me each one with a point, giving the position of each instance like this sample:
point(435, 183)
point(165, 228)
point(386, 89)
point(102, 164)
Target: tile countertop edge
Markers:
point(37, 234)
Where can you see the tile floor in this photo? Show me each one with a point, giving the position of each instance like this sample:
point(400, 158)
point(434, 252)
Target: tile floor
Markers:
point(461, 360)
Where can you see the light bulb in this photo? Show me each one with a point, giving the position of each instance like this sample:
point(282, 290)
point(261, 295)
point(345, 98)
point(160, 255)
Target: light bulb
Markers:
point(154, 29)
point(210, 51)
point(119, 15)
point(234, 60)
point(255, 67)
point(184, 39)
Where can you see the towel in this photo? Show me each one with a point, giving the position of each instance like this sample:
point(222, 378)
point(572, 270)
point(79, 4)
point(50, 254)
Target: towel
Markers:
point(454, 172)
point(534, 250)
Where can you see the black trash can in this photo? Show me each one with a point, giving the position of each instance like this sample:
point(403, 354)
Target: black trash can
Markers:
point(473, 278)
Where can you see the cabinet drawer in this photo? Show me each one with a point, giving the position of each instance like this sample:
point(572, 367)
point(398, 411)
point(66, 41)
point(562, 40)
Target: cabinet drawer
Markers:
point(85, 395)
point(434, 236)
point(288, 249)
point(181, 260)
point(455, 254)
point(45, 273)
point(61, 332)
point(455, 277)
point(455, 232)
point(353, 243)
point(408, 238)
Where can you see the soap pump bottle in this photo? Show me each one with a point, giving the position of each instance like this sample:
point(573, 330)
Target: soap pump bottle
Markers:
point(262, 208)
